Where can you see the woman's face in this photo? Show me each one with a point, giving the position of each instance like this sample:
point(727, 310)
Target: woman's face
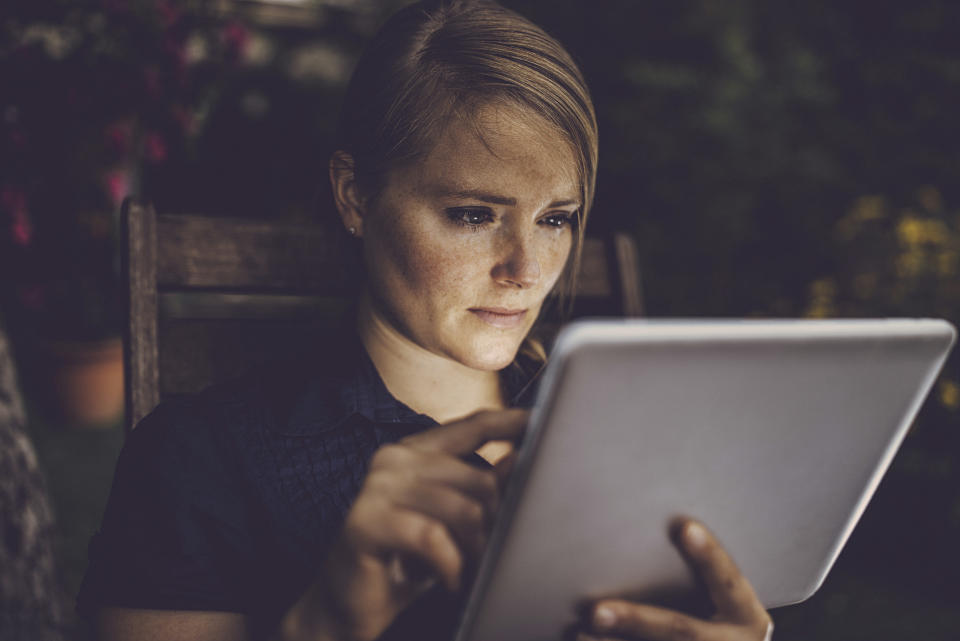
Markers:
point(462, 249)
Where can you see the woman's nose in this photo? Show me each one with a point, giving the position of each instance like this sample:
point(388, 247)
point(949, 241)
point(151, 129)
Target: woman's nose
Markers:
point(519, 265)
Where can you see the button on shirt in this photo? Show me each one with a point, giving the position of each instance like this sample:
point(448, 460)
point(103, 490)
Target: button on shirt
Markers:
point(227, 500)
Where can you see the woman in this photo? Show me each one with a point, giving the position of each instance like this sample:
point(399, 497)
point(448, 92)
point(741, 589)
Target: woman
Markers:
point(346, 496)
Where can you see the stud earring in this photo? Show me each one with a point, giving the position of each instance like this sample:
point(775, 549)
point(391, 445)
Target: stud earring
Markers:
point(353, 231)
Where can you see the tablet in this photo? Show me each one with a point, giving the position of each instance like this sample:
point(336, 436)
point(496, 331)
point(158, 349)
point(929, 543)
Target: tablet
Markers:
point(773, 433)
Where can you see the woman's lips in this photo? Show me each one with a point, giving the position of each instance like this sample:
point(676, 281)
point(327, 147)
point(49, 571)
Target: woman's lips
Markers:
point(500, 317)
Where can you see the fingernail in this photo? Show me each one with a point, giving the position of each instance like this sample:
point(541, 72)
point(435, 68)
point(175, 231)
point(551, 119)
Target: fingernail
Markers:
point(604, 617)
point(695, 535)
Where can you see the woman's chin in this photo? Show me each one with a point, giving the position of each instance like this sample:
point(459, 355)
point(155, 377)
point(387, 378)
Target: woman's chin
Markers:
point(491, 356)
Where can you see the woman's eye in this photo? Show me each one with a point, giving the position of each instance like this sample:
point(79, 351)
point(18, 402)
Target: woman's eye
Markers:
point(470, 217)
point(557, 220)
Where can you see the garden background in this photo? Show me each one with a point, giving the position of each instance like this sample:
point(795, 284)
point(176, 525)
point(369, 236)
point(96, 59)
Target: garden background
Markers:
point(771, 158)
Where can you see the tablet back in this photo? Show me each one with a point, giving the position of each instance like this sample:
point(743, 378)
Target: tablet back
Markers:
point(774, 433)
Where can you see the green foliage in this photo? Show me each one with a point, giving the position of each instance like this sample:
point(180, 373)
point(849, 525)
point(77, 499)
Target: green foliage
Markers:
point(735, 134)
point(896, 260)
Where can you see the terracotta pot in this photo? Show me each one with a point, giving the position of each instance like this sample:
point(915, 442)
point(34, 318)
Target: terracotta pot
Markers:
point(85, 380)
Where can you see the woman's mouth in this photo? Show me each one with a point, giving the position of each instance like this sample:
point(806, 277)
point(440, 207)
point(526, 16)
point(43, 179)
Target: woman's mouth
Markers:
point(500, 317)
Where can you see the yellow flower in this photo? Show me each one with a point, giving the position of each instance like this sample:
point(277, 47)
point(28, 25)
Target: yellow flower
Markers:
point(819, 309)
point(868, 208)
point(823, 288)
point(949, 393)
point(910, 264)
point(822, 295)
point(910, 230)
point(935, 232)
point(864, 209)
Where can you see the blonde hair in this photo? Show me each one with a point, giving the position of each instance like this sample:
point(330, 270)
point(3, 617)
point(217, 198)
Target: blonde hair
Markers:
point(434, 61)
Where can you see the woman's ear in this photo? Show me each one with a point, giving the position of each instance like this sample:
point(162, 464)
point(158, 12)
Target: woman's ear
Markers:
point(346, 194)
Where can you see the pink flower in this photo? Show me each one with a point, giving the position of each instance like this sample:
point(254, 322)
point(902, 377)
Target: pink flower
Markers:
point(21, 230)
point(119, 136)
point(169, 12)
point(154, 147)
point(236, 36)
point(14, 201)
point(117, 183)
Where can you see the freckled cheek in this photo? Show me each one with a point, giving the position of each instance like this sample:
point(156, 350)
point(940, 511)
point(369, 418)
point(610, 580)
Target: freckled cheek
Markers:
point(554, 259)
point(441, 272)
point(427, 265)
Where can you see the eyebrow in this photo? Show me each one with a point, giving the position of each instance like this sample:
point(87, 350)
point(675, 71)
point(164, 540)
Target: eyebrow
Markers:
point(495, 199)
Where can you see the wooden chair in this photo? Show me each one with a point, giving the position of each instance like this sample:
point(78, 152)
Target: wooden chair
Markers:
point(210, 297)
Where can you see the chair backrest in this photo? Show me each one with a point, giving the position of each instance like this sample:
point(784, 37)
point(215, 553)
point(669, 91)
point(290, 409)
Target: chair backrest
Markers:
point(210, 297)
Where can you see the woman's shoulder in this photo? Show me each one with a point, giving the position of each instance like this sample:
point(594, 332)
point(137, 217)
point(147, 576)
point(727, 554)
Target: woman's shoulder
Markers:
point(286, 427)
point(255, 438)
point(216, 480)
point(268, 396)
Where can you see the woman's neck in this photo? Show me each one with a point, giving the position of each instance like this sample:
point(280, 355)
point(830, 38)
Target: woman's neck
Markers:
point(426, 382)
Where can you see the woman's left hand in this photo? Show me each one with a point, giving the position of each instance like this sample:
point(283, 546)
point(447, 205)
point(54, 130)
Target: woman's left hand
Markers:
point(739, 614)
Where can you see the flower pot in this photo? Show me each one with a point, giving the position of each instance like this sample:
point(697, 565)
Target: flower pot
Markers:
point(85, 381)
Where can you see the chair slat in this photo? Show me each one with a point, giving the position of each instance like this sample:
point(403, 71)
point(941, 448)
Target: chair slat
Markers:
point(202, 252)
point(138, 266)
point(628, 271)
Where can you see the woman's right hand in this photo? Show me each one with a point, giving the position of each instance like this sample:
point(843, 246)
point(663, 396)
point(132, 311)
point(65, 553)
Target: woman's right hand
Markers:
point(421, 510)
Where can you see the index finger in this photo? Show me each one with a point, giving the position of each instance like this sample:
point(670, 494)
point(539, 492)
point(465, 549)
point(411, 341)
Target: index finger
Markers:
point(729, 590)
point(466, 435)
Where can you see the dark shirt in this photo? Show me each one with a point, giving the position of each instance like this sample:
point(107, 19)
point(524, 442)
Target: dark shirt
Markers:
point(228, 500)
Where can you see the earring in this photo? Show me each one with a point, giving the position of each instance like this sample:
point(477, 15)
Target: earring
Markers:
point(353, 231)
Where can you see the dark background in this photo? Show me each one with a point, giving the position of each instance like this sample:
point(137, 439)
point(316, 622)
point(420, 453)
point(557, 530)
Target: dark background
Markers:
point(771, 158)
